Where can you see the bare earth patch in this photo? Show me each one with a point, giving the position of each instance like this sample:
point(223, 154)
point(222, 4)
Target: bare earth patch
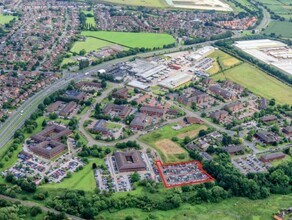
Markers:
point(192, 133)
point(169, 147)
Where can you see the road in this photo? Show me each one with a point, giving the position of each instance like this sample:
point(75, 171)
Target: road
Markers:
point(17, 119)
point(265, 21)
point(31, 204)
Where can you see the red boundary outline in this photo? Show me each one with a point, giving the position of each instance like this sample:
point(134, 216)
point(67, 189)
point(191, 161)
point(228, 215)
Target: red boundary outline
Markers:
point(159, 165)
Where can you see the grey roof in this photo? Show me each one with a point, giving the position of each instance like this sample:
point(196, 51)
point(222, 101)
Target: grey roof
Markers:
point(234, 148)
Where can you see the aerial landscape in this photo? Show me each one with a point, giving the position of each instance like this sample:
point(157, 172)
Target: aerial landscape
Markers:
point(145, 109)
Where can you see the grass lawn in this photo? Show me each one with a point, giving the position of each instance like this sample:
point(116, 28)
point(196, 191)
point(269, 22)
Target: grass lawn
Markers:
point(145, 3)
point(129, 39)
point(81, 180)
point(90, 21)
point(230, 209)
point(258, 82)
point(158, 138)
point(214, 69)
point(90, 44)
point(111, 126)
point(283, 28)
point(67, 60)
point(157, 90)
point(5, 19)
point(88, 12)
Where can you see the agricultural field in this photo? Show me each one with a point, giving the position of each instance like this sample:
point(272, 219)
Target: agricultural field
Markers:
point(5, 19)
point(282, 8)
point(283, 28)
point(89, 45)
point(229, 209)
point(225, 60)
point(169, 150)
point(129, 39)
point(258, 82)
point(145, 3)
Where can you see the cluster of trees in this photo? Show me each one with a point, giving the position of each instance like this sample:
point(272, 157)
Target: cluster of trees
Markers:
point(130, 52)
point(190, 41)
point(94, 151)
point(253, 186)
point(26, 185)
point(128, 144)
point(13, 211)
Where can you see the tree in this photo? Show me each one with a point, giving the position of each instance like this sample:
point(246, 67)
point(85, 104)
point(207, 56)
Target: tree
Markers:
point(94, 166)
point(135, 177)
point(35, 210)
point(202, 133)
point(187, 140)
point(44, 124)
point(53, 116)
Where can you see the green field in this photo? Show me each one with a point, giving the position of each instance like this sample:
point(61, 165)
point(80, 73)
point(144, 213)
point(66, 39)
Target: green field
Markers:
point(225, 60)
point(145, 3)
point(230, 209)
point(282, 8)
point(5, 19)
point(162, 136)
point(90, 44)
point(129, 39)
point(90, 21)
point(283, 28)
point(67, 60)
point(111, 126)
point(81, 180)
point(258, 82)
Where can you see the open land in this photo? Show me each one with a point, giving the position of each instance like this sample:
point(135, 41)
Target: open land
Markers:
point(283, 28)
point(282, 8)
point(5, 19)
point(258, 82)
point(90, 44)
point(147, 40)
point(224, 59)
point(161, 136)
point(230, 209)
point(81, 180)
point(169, 147)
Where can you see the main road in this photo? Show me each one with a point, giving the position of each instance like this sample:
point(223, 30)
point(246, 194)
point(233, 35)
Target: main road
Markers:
point(17, 119)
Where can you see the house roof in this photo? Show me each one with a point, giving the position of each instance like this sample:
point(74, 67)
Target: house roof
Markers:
point(129, 160)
